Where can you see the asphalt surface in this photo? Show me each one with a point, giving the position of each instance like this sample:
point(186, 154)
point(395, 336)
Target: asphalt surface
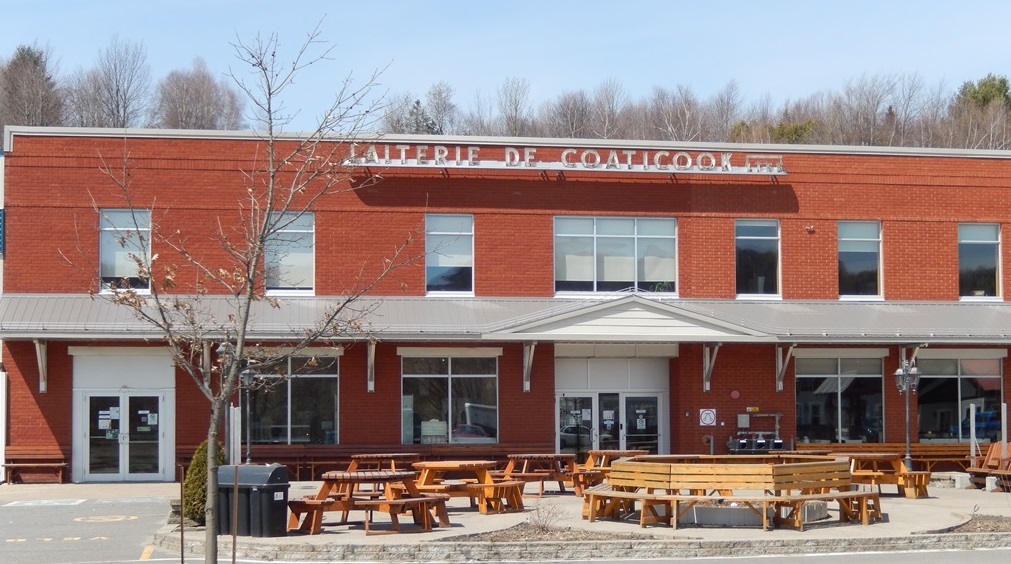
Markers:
point(908, 524)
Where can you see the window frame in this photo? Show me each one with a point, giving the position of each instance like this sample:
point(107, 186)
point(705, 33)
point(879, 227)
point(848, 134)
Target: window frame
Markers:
point(838, 376)
point(982, 294)
point(452, 236)
point(877, 240)
point(284, 225)
point(597, 236)
point(291, 374)
point(758, 279)
point(450, 356)
point(121, 237)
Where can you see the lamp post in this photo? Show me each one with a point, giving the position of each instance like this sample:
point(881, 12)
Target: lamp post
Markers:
point(247, 383)
point(907, 378)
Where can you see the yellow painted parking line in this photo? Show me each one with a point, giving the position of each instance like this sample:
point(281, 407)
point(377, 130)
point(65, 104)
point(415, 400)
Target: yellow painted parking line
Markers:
point(148, 551)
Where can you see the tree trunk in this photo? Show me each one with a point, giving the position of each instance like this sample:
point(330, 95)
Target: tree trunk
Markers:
point(211, 507)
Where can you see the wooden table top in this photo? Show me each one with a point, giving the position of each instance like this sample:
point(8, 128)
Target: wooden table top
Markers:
point(386, 456)
point(543, 456)
point(454, 464)
point(367, 476)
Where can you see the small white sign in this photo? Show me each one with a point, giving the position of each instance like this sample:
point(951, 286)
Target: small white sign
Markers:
point(707, 417)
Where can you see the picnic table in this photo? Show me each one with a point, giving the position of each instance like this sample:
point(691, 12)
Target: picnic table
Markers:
point(541, 467)
point(876, 468)
point(473, 479)
point(340, 492)
point(601, 459)
point(383, 461)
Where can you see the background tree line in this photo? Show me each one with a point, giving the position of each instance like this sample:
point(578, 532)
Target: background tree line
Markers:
point(898, 110)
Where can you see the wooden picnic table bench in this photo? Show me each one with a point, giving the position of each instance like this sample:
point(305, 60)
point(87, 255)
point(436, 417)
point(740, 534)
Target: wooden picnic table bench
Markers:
point(667, 490)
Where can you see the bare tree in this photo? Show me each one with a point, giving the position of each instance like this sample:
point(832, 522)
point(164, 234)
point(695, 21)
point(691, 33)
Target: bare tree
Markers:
point(123, 83)
point(83, 100)
point(395, 113)
point(568, 116)
point(609, 104)
point(194, 99)
point(677, 115)
point(721, 112)
point(480, 120)
point(287, 178)
point(514, 107)
point(29, 94)
point(441, 108)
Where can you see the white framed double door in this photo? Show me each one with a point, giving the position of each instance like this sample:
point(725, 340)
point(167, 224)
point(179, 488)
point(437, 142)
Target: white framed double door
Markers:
point(124, 437)
point(610, 420)
point(124, 414)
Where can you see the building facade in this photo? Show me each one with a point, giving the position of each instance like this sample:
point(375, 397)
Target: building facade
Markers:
point(570, 294)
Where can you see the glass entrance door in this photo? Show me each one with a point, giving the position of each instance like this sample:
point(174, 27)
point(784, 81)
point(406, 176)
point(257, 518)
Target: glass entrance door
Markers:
point(123, 440)
point(642, 423)
point(609, 420)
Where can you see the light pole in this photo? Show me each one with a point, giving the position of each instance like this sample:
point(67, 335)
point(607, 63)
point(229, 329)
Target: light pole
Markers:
point(907, 378)
point(247, 383)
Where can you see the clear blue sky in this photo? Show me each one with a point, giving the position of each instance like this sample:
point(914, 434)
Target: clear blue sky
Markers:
point(784, 49)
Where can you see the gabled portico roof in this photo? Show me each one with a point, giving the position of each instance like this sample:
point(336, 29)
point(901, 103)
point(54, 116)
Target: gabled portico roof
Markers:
point(628, 319)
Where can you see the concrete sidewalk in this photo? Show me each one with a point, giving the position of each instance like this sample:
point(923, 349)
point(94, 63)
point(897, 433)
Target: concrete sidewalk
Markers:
point(909, 524)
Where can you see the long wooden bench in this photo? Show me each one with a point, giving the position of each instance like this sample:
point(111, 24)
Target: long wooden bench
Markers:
point(420, 507)
point(24, 464)
point(662, 484)
point(927, 454)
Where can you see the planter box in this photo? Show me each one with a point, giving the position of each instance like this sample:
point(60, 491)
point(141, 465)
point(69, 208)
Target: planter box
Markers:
point(743, 516)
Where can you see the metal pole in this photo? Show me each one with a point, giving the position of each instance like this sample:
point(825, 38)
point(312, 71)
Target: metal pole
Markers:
point(906, 384)
point(249, 440)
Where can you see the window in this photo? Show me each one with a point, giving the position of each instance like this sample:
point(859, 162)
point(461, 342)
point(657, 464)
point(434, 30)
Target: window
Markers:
point(288, 255)
point(978, 257)
point(757, 253)
point(859, 258)
point(839, 399)
point(449, 252)
point(615, 254)
point(125, 247)
point(947, 387)
point(450, 399)
point(296, 402)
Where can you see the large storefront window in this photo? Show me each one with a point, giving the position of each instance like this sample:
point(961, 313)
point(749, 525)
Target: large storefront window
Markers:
point(948, 387)
point(839, 400)
point(450, 399)
point(296, 403)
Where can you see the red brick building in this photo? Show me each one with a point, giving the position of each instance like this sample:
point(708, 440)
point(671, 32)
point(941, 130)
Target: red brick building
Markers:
point(574, 294)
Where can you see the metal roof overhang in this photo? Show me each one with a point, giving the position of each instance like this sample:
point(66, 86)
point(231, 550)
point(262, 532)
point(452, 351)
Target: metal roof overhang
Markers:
point(627, 318)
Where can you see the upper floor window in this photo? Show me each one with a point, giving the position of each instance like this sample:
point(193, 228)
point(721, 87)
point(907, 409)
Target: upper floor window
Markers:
point(978, 259)
point(859, 258)
point(611, 254)
point(757, 254)
point(449, 253)
point(288, 255)
point(125, 249)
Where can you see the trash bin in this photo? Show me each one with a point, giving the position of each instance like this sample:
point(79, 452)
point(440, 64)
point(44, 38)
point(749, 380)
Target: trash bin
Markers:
point(261, 508)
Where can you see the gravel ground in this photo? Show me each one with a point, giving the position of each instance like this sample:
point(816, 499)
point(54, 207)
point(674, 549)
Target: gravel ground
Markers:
point(529, 532)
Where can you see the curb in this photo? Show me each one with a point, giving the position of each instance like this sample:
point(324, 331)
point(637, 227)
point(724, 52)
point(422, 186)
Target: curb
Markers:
point(448, 551)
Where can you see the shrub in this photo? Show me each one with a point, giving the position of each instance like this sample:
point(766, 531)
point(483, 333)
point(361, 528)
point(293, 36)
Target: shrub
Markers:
point(195, 483)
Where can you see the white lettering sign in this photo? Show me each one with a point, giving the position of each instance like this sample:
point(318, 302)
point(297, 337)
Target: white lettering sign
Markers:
point(570, 159)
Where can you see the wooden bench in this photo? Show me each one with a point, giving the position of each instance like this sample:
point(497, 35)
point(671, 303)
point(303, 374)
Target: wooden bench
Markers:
point(34, 464)
point(604, 501)
point(992, 464)
point(500, 497)
point(313, 510)
point(928, 454)
point(421, 509)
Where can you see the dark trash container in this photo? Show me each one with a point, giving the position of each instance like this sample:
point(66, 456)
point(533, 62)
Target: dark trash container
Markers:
point(261, 508)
